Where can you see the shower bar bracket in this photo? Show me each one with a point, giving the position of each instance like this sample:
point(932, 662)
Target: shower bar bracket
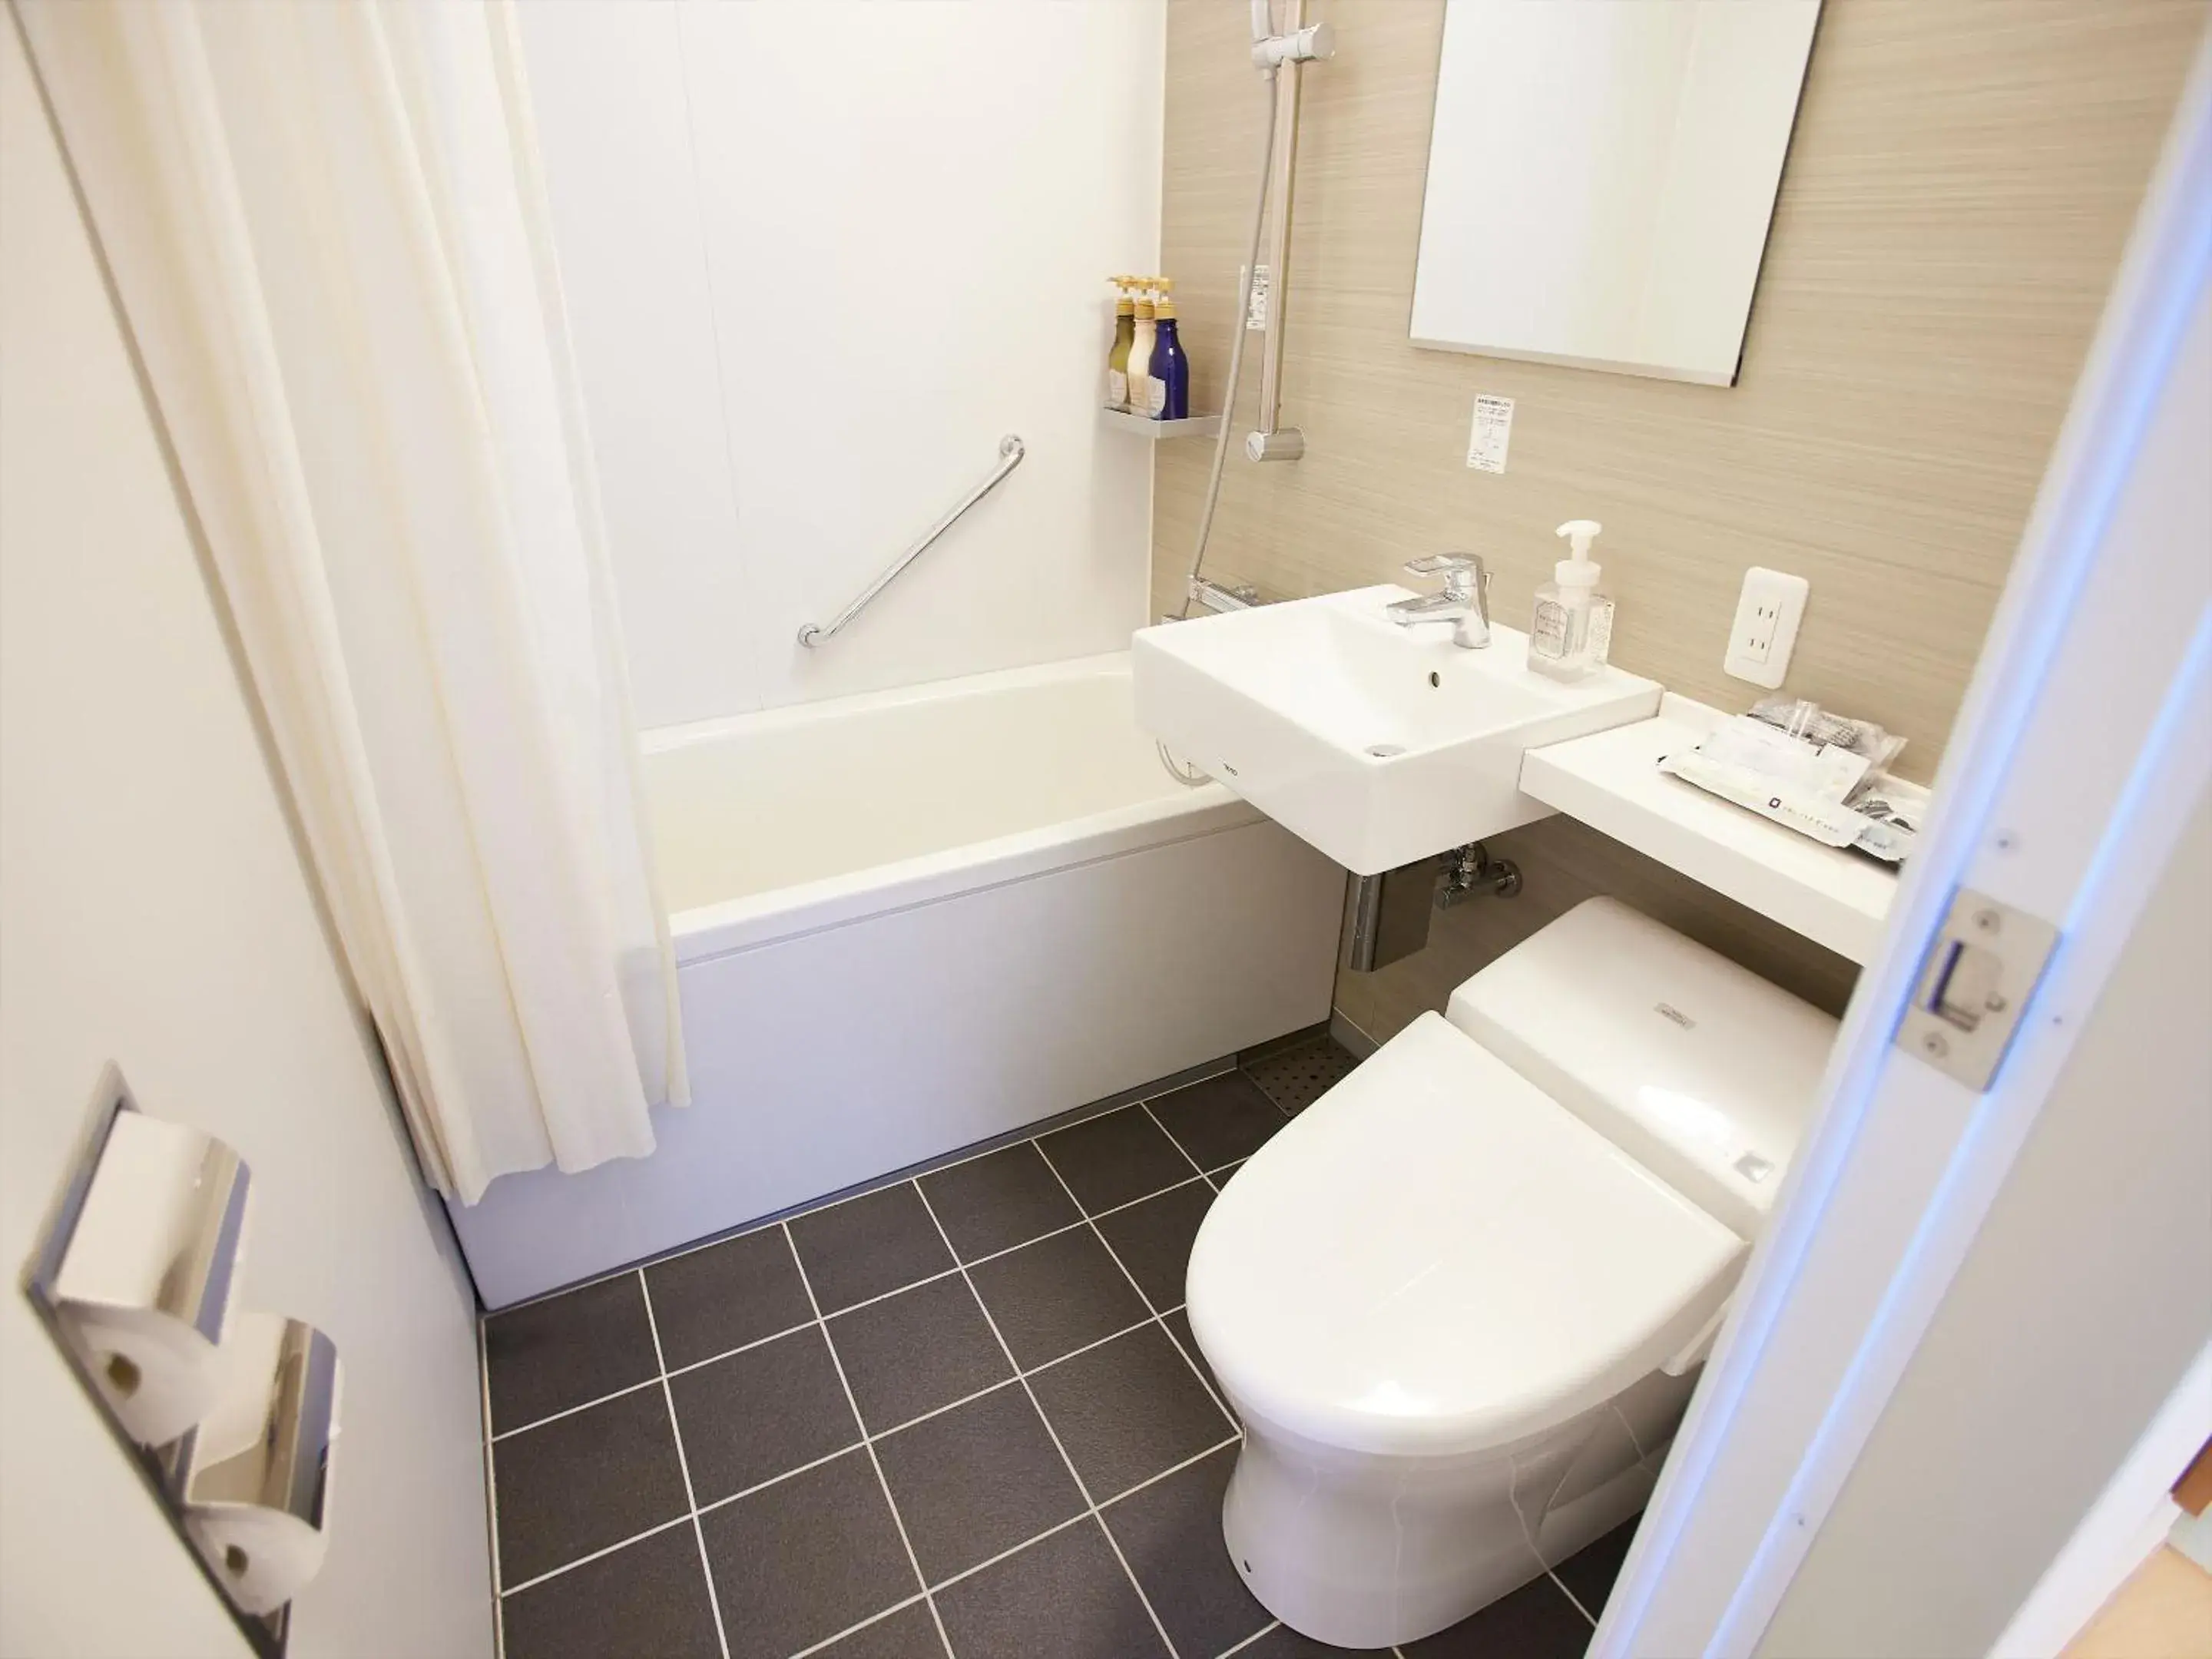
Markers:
point(1011, 451)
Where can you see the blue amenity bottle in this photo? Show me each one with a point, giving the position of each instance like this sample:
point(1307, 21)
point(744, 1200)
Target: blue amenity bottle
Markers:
point(1170, 368)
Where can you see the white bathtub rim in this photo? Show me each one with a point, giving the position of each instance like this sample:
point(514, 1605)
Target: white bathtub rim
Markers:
point(669, 740)
point(705, 932)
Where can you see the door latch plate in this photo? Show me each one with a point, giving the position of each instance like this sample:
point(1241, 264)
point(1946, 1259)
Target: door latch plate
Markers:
point(1976, 977)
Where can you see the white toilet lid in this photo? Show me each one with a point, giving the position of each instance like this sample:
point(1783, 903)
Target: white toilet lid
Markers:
point(1436, 1257)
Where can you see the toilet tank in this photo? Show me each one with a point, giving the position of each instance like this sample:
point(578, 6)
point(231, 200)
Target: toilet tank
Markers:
point(1697, 1068)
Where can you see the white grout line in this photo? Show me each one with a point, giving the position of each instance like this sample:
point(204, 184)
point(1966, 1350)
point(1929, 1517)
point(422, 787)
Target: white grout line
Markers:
point(853, 1406)
point(1219, 1396)
point(570, 1411)
point(1172, 1142)
point(597, 1554)
point(1072, 1119)
point(777, 1336)
point(741, 1348)
point(1080, 1486)
point(1080, 1517)
point(491, 1495)
point(1571, 1596)
point(866, 1442)
point(1268, 1629)
point(1158, 1318)
point(1173, 1468)
point(868, 1438)
point(713, 1503)
point(872, 1619)
point(1068, 1120)
point(951, 1579)
point(683, 1467)
point(1111, 1336)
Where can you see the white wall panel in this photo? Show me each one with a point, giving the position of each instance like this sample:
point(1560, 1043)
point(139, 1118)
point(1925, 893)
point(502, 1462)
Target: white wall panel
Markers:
point(819, 257)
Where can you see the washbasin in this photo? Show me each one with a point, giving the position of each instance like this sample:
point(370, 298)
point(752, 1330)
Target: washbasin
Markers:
point(1377, 744)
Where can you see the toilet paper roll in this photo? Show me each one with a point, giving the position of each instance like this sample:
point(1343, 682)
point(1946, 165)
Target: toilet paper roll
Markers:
point(255, 1477)
point(143, 1288)
point(261, 1558)
point(157, 1374)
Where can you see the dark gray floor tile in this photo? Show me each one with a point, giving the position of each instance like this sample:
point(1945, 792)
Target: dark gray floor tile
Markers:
point(1065, 1595)
point(560, 1352)
point(1537, 1621)
point(647, 1598)
point(976, 1480)
point(1284, 1643)
point(1152, 1239)
point(710, 1301)
point(1589, 1573)
point(1170, 1536)
point(1111, 1159)
point(912, 1352)
point(1220, 1118)
point(1178, 1324)
point(1295, 1078)
point(1050, 1298)
point(1127, 1410)
point(865, 1247)
point(760, 1414)
point(994, 1202)
point(797, 1561)
point(909, 1633)
point(585, 1481)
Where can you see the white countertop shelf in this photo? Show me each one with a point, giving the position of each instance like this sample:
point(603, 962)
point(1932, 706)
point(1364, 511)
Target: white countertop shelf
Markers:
point(1195, 425)
point(1611, 780)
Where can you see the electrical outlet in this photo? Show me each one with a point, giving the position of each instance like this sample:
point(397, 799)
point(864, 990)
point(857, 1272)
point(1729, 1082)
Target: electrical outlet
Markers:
point(1766, 631)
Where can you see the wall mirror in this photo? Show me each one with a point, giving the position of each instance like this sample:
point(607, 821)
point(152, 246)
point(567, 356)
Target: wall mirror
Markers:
point(1600, 177)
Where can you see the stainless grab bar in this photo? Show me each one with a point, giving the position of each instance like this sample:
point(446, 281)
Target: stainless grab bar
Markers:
point(1011, 451)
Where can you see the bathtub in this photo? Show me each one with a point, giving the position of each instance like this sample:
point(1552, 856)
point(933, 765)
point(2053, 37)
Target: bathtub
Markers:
point(907, 921)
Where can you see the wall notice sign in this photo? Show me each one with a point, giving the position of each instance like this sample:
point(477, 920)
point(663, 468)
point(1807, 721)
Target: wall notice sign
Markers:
point(1494, 431)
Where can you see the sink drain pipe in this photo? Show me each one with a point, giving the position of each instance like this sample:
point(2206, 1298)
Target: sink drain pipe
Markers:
point(1386, 915)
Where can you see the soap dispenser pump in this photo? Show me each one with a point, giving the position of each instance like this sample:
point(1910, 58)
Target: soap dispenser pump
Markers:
point(1573, 630)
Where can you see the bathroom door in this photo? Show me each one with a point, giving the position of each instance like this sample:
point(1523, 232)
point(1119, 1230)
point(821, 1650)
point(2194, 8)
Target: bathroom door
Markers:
point(153, 912)
point(2074, 786)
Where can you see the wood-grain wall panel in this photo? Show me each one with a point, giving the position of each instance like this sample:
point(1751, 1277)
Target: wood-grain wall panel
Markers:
point(1960, 182)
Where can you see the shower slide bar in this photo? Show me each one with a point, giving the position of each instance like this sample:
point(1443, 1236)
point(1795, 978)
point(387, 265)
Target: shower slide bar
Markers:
point(1011, 451)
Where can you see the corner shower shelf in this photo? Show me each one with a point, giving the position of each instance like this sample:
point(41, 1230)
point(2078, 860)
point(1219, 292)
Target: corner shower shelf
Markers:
point(1195, 425)
point(1611, 780)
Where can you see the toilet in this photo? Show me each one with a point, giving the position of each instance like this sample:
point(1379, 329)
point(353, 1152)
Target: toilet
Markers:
point(1459, 1303)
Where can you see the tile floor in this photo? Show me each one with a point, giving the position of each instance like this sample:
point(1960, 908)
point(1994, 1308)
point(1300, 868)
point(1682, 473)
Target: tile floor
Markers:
point(960, 1414)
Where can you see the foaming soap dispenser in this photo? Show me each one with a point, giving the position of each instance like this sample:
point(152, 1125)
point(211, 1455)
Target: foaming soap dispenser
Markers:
point(1573, 626)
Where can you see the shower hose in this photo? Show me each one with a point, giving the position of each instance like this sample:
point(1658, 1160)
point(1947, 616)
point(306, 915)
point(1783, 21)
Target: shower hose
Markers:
point(1190, 775)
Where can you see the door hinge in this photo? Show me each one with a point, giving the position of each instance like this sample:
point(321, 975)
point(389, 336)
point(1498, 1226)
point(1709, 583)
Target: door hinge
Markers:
point(1976, 977)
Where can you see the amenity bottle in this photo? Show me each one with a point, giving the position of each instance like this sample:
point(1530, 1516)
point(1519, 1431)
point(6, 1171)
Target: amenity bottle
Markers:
point(1125, 332)
point(1170, 367)
point(1140, 350)
point(1572, 629)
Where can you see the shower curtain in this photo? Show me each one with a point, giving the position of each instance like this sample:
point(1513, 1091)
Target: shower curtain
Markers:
point(326, 233)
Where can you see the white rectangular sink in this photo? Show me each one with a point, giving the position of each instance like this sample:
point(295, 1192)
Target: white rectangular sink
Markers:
point(1379, 745)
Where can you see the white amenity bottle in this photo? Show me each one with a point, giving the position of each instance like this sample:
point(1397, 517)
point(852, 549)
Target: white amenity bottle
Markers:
point(1140, 352)
point(1573, 630)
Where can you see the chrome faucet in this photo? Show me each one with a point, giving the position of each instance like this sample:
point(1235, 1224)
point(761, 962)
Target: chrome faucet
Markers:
point(1465, 600)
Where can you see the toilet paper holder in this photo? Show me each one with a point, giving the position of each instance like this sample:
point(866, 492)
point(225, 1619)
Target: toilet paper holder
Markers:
point(269, 1457)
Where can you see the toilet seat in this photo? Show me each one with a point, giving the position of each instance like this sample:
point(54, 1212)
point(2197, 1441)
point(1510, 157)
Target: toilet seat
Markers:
point(1436, 1257)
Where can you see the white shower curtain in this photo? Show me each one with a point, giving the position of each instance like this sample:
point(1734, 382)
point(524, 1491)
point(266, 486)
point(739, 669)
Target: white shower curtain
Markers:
point(329, 238)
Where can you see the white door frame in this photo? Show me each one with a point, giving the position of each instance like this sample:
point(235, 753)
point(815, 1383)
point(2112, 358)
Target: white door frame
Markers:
point(2085, 741)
